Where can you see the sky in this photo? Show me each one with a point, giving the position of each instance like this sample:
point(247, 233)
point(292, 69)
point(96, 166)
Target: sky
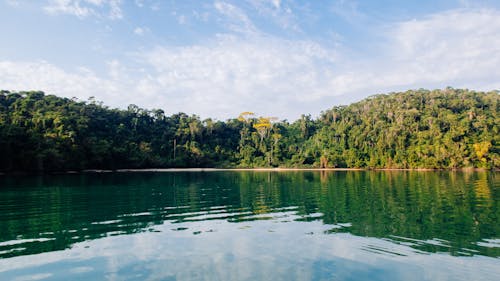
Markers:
point(218, 58)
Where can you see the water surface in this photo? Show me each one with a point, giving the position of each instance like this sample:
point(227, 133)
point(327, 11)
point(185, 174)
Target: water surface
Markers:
point(300, 225)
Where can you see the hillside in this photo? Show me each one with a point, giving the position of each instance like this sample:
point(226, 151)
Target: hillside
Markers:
point(449, 128)
point(414, 129)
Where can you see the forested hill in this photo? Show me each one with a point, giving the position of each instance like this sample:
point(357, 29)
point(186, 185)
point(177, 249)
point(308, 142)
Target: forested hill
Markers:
point(448, 128)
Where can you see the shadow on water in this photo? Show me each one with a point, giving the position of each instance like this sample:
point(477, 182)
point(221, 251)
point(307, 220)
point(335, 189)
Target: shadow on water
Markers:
point(451, 212)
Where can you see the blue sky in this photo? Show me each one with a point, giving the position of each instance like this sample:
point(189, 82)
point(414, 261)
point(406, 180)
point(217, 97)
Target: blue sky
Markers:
point(219, 58)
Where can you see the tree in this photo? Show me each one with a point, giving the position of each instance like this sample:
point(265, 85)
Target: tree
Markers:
point(449, 128)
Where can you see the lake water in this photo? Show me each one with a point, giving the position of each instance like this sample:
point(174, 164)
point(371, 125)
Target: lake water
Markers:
point(307, 225)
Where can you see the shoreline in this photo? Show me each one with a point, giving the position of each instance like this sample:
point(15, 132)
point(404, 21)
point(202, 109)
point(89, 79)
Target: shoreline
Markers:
point(174, 170)
point(161, 170)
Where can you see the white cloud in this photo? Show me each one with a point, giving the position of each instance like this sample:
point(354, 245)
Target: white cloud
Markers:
point(222, 79)
point(237, 19)
point(68, 7)
point(44, 76)
point(115, 11)
point(271, 76)
point(451, 46)
point(276, 3)
point(261, 5)
point(456, 48)
point(139, 31)
point(232, 74)
point(116, 71)
point(139, 3)
point(347, 9)
point(278, 12)
point(85, 8)
point(181, 19)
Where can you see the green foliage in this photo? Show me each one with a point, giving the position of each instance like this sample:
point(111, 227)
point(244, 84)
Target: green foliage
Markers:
point(448, 128)
point(416, 129)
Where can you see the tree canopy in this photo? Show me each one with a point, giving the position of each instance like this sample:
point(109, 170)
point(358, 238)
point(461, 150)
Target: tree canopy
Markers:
point(450, 128)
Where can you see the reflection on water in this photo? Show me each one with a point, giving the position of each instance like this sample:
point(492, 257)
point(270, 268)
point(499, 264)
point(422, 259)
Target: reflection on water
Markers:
point(251, 225)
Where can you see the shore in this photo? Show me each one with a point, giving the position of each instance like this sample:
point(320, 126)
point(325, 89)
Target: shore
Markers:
point(277, 170)
point(171, 170)
point(221, 170)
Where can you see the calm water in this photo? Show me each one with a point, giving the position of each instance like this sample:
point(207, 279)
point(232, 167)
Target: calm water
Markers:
point(251, 226)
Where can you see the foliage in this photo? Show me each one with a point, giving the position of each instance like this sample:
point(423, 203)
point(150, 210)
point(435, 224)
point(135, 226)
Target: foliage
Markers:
point(416, 129)
point(449, 128)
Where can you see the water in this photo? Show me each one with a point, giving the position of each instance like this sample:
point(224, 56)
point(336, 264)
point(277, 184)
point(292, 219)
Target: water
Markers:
point(251, 226)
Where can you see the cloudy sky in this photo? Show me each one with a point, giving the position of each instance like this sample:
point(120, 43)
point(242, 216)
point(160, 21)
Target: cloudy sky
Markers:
point(217, 58)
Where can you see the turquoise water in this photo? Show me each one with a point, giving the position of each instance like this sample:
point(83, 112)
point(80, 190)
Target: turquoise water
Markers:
point(311, 225)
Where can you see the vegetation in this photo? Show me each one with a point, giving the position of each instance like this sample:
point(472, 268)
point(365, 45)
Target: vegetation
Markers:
point(449, 128)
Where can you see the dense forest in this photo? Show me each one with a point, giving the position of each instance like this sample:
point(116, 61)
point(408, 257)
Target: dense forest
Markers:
point(450, 128)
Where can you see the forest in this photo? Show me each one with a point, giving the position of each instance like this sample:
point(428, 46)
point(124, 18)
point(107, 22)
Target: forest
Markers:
point(438, 129)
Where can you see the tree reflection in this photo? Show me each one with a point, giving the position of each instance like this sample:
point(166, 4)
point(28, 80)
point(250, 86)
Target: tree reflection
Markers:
point(435, 211)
